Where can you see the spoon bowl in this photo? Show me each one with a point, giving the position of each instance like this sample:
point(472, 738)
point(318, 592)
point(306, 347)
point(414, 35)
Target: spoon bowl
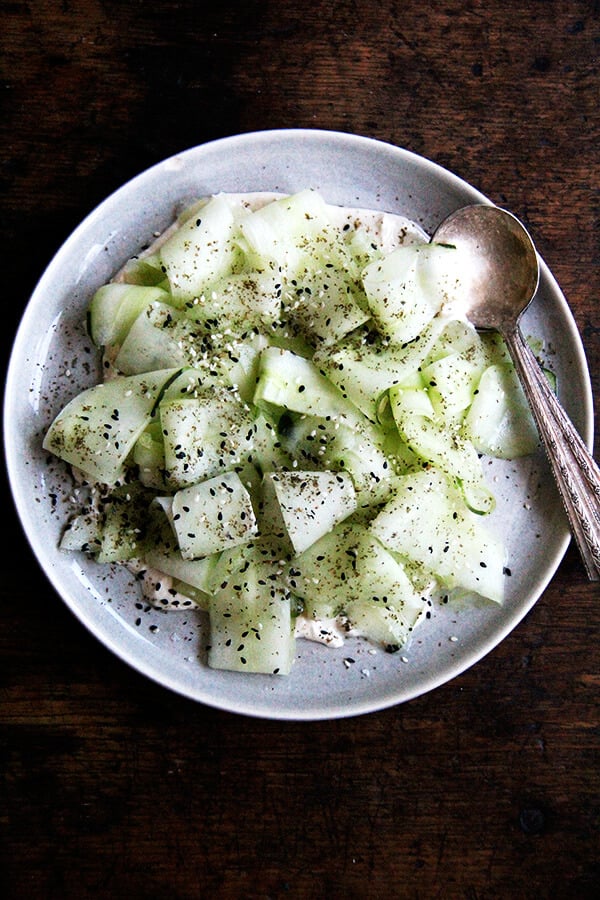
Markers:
point(498, 273)
point(499, 268)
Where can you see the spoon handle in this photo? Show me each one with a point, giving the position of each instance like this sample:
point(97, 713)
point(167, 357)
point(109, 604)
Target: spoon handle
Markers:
point(575, 470)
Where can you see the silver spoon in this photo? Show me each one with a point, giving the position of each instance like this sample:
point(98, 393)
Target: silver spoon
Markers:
point(500, 274)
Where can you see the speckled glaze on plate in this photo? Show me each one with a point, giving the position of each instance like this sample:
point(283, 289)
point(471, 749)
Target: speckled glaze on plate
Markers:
point(53, 359)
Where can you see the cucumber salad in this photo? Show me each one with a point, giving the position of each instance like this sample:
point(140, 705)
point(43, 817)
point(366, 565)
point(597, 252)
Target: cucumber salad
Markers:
point(292, 428)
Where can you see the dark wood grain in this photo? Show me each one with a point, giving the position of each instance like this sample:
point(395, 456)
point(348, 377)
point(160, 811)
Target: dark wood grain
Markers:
point(487, 787)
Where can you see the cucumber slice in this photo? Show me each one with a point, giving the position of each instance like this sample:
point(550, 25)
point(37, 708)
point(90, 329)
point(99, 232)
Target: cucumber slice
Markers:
point(427, 524)
point(202, 250)
point(407, 288)
point(161, 334)
point(190, 383)
point(499, 421)
point(236, 364)
point(83, 532)
point(333, 444)
point(213, 516)
point(205, 436)
point(192, 595)
point(125, 518)
point(278, 235)
point(349, 573)
point(156, 339)
point(162, 553)
point(365, 365)
point(146, 271)
point(239, 302)
point(214, 364)
point(451, 382)
point(324, 575)
point(460, 338)
point(98, 428)
point(306, 505)
point(149, 456)
point(269, 452)
point(387, 607)
point(433, 441)
point(406, 403)
point(250, 618)
point(114, 308)
point(325, 304)
point(290, 382)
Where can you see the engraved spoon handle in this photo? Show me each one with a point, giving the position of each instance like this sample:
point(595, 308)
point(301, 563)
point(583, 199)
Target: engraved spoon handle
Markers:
point(575, 470)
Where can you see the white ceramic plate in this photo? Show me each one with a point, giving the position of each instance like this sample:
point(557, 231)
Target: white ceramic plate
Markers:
point(53, 359)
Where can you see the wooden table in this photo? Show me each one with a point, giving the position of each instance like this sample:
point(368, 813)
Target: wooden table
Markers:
point(488, 787)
